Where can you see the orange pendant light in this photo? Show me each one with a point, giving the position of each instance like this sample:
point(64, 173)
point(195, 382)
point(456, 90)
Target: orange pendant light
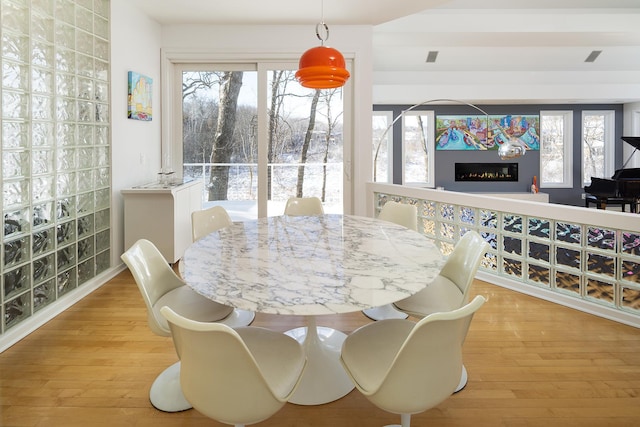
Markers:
point(322, 67)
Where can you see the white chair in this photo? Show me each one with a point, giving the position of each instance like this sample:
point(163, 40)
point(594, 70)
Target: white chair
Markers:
point(235, 376)
point(207, 221)
point(404, 367)
point(407, 216)
point(400, 213)
point(160, 286)
point(450, 289)
point(299, 206)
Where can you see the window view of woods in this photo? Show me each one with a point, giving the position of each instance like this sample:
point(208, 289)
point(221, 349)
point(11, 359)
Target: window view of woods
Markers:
point(593, 146)
point(221, 138)
point(416, 148)
point(381, 147)
point(552, 151)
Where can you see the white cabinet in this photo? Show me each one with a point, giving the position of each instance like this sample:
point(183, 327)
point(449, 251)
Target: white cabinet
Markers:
point(161, 213)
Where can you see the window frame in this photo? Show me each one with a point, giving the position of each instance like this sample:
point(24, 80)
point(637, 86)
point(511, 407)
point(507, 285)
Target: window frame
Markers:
point(430, 182)
point(609, 143)
point(567, 147)
point(171, 114)
point(388, 114)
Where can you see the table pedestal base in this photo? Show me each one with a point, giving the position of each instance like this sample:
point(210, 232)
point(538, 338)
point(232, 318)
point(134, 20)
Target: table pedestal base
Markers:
point(324, 379)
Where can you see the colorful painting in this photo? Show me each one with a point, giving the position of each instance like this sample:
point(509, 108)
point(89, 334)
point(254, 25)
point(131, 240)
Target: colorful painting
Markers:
point(461, 132)
point(139, 102)
point(470, 132)
point(525, 128)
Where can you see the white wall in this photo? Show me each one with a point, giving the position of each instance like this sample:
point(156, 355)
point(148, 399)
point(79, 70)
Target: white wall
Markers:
point(135, 145)
point(286, 43)
point(631, 127)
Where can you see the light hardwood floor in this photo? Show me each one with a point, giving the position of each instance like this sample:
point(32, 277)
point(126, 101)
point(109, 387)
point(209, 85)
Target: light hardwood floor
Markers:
point(530, 362)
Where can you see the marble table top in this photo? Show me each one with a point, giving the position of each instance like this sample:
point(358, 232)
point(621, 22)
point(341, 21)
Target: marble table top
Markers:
point(311, 265)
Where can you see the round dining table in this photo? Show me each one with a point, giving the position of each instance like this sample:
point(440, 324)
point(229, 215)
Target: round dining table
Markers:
point(312, 266)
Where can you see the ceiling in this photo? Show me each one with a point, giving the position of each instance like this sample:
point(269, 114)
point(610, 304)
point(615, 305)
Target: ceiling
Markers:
point(492, 44)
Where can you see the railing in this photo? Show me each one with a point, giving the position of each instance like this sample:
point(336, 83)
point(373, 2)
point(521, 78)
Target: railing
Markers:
point(583, 258)
point(243, 179)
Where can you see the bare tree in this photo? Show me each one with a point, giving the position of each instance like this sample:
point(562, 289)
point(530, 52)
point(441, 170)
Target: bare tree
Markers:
point(198, 128)
point(278, 85)
point(593, 147)
point(552, 149)
point(307, 141)
point(199, 116)
point(423, 143)
point(230, 85)
point(329, 135)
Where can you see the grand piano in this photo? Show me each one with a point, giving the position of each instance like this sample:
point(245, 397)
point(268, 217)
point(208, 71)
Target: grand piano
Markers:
point(622, 189)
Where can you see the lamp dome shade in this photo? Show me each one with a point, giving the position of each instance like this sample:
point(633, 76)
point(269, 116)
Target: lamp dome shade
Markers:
point(322, 67)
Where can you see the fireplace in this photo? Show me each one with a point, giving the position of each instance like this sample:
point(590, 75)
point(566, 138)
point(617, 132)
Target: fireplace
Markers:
point(486, 172)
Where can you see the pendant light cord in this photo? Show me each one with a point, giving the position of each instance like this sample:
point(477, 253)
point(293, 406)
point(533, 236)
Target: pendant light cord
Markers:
point(322, 25)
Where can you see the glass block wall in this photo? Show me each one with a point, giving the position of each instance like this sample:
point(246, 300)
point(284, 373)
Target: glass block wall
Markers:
point(55, 151)
point(582, 261)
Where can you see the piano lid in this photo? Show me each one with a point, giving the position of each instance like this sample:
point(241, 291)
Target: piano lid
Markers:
point(634, 141)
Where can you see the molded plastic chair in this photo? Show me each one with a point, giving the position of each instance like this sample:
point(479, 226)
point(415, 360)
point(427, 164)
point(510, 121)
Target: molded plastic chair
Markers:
point(207, 221)
point(407, 216)
point(450, 289)
point(160, 286)
point(299, 206)
point(240, 376)
point(404, 367)
point(400, 213)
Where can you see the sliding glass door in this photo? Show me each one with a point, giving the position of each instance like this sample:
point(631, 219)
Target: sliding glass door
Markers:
point(255, 137)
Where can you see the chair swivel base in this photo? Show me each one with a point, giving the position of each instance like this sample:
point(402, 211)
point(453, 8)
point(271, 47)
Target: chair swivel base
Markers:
point(463, 380)
point(166, 393)
point(387, 311)
point(238, 318)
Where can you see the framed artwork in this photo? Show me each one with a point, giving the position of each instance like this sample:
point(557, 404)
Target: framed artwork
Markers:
point(140, 89)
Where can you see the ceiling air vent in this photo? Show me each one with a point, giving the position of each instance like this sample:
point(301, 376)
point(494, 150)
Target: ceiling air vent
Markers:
point(593, 55)
point(431, 57)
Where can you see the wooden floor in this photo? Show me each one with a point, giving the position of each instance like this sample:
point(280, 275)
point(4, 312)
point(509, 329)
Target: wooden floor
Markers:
point(530, 362)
